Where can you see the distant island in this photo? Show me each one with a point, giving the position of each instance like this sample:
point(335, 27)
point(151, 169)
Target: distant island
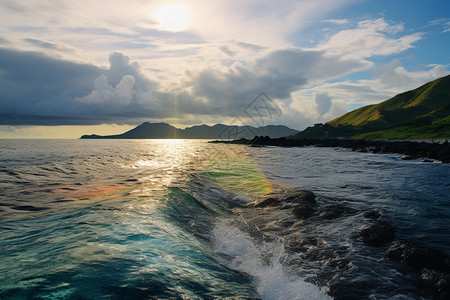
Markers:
point(423, 113)
point(219, 131)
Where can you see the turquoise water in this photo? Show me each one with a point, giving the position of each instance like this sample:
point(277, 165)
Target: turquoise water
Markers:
point(167, 219)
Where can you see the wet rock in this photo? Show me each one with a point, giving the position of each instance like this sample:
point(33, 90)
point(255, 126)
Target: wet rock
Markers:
point(346, 289)
point(267, 202)
point(297, 244)
point(335, 210)
point(304, 210)
point(300, 196)
point(438, 282)
point(377, 234)
point(418, 255)
point(372, 214)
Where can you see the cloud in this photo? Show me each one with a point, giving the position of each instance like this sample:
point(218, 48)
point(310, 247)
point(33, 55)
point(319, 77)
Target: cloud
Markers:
point(46, 90)
point(248, 46)
point(48, 45)
point(120, 95)
point(4, 41)
point(443, 22)
point(323, 103)
point(395, 77)
point(34, 84)
point(278, 73)
point(336, 21)
point(225, 49)
point(203, 77)
point(40, 90)
point(387, 81)
point(369, 38)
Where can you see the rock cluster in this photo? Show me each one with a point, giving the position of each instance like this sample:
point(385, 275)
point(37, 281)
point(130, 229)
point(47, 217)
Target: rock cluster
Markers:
point(431, 267)
point(433, 264)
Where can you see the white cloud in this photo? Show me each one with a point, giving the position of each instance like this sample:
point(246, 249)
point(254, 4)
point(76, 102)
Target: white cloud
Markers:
point(120, 95)
point(393, 76)
point(369, 38)
point(323, 103)
point(336, 21)
point(444, 23)
point(387, 81)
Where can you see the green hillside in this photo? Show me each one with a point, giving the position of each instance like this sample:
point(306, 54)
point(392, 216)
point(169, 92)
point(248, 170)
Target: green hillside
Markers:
point(423, 113)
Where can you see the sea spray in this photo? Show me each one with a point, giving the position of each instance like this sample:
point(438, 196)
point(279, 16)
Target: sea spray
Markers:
point(261, 260)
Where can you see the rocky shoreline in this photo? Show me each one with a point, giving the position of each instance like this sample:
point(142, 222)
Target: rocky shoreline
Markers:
point(427, 268)
point(409, 149)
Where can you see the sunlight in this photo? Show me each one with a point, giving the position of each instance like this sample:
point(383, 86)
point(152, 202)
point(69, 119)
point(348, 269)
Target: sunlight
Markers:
point(173, 17)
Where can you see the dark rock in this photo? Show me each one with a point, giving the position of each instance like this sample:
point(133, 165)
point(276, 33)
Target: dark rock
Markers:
point(335, 210)
point(418, 255)
point(438, 282)
point(346, 289)
point(304, 210)
point(372, 214)
point(290, 199)
point(301, 196)
point(267, 202)
point(378, 234)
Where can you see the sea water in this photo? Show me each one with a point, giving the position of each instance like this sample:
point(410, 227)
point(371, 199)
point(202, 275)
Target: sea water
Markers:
point(169, 219)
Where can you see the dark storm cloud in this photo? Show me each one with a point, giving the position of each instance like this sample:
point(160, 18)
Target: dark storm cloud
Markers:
point(33, 84)
point(40, 90)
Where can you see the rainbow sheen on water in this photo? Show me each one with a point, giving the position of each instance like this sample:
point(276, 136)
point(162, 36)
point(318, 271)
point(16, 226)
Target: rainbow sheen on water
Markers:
point(237, 174)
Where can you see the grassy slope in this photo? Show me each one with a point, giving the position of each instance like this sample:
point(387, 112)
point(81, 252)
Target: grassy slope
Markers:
point(423, 113)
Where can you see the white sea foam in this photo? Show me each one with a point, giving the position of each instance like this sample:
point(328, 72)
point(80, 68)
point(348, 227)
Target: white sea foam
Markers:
point(246, 256)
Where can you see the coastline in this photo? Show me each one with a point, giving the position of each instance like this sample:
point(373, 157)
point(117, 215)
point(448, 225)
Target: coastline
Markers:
point(410, 149)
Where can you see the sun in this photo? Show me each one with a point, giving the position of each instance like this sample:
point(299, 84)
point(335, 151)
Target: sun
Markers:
point(173, 17)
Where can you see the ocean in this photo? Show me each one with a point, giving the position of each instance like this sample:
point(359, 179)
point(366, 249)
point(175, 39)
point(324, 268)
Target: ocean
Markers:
point(170, 219)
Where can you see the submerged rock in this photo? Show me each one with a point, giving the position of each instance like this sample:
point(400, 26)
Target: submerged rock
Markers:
point(335, 210)
point(377, 234)
point(418, 255)
point(372, 214)
point(438, 282)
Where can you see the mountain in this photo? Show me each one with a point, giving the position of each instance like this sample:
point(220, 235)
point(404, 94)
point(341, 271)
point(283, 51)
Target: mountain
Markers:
point(422, 113)
point(219, 131)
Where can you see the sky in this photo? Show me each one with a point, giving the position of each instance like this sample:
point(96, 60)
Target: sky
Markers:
point(69, 68)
